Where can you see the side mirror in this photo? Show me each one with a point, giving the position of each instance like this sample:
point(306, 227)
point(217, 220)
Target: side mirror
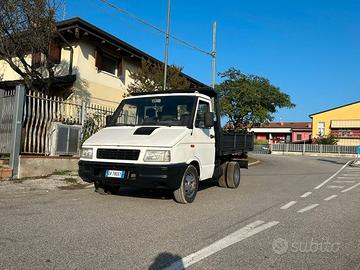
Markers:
point(108, 119)
point(209, 119)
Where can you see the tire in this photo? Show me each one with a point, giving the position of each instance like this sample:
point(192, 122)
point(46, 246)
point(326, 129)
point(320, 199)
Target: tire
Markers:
point(233, 174)
point(105, 190)
point(222, 178)
point(186, 193)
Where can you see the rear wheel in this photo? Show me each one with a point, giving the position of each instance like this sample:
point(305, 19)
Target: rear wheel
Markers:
point(186, 193)
point(233, 174)
point(222, 178)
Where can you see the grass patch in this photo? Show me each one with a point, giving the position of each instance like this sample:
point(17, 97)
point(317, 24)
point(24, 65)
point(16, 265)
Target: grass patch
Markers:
point(65, 172)
point(70, 180)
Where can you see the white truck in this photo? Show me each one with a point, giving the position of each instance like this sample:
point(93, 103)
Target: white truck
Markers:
point(168, 140)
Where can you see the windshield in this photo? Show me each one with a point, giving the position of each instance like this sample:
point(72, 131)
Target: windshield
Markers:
point(157, 110)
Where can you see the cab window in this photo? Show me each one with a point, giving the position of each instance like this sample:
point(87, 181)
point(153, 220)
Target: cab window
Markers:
point(200, 115)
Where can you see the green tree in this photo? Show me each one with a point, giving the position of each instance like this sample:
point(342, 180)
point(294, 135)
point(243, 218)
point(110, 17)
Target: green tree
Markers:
point(249, 100)
point(150, 77)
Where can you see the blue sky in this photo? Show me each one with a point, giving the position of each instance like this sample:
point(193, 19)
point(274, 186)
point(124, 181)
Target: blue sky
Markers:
point(308, 48)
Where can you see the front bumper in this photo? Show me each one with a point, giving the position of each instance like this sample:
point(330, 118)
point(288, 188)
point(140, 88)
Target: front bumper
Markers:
point(140, 175)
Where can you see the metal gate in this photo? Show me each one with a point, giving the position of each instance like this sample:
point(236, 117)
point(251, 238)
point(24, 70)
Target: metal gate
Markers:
point(7, 112)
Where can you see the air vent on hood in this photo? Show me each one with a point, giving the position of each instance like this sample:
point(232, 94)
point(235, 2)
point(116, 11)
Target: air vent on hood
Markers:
point(145, 130)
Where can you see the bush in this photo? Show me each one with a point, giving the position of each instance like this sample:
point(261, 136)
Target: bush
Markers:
point(260, 142)
point(330, 140)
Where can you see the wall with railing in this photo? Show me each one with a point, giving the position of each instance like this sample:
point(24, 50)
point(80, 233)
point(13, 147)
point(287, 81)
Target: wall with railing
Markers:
point(314, 148)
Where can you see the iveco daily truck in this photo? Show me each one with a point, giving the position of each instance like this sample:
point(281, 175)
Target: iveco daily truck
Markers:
point(168, 140)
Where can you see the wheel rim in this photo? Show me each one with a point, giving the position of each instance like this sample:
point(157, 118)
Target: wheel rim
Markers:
point(237, 176)
point(190, 184)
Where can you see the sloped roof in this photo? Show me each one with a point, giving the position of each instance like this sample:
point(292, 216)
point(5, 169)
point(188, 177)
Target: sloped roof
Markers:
point(78, 23)
point(311, 115)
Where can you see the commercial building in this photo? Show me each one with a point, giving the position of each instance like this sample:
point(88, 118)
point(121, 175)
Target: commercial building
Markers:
point(342, 122)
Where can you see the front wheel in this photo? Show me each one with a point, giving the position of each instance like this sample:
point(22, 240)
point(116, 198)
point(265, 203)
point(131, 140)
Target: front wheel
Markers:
point(186, 193)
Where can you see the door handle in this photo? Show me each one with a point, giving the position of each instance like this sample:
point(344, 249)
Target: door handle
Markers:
point(212, 136)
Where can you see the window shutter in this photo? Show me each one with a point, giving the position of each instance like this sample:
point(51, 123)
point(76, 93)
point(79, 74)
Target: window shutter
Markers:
point(36, 60)
point(98, 58)
point(54, 53)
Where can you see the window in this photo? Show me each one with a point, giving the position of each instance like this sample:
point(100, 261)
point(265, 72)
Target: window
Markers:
point(54, 53)
point(321, 128)
point(108, 63)
point(298, 137)
point(37, 59)
point(158, 111)
point(200, 116)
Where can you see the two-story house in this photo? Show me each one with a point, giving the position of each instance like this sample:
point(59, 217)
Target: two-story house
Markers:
point(90, 62)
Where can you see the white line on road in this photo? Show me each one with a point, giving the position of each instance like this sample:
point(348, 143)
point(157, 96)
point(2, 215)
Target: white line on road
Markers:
point(330, 197)
point(347, 177)
point(331, 177)
point(351, 174)
point(334, 186)
point(288, 205)
point(225, 242)
point(306, 194)
point(344, 181)
point(350, 188)
point(309, 207)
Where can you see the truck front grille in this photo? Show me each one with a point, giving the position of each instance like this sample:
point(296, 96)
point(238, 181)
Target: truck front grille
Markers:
point(121, 154)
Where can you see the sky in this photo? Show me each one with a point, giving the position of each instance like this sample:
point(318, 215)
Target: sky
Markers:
point(310, 49)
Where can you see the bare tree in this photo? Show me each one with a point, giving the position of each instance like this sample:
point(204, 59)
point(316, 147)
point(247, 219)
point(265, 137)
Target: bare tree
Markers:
point(27, 28)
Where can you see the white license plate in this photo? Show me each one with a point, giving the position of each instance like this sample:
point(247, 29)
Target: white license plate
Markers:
point(115, 174)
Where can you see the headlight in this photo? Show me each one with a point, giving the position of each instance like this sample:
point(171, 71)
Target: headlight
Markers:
point(86, 153)
point(157, 156)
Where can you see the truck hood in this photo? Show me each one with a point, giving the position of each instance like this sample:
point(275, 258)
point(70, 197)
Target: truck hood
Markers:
point(137, 136)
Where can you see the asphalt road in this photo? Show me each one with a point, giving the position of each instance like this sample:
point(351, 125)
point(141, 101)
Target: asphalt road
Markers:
point(265, 224)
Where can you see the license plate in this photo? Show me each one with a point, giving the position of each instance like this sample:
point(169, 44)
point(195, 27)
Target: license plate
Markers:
point(115, 174)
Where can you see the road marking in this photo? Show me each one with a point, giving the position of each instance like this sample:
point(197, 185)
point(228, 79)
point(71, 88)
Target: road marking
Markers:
point(344, 181)
point(225, 242)
point(331, 177)
point(350, 188)
point(347, 177)
point(306, 194)
point(288, 205)
point(309, 207)
point(330, 197)
point(350, 174)
point(334, 186)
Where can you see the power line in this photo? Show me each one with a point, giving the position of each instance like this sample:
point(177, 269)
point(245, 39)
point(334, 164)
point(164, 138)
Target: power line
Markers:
point(155, 27)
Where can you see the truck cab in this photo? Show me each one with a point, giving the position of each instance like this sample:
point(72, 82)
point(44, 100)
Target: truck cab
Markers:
point(165, 140)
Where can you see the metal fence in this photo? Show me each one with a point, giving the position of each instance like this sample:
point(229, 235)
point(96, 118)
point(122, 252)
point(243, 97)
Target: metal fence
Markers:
point(313, 148)
point(42, 111)
point(7, 109)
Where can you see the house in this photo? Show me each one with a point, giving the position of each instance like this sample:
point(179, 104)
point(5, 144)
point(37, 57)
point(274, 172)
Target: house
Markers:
point(342, 122)
point(90, 62)
point(283, 132)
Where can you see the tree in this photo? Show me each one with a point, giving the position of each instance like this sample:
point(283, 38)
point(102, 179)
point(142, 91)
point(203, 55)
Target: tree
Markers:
point(27, 28)
point(249, 100)
point(150, 77)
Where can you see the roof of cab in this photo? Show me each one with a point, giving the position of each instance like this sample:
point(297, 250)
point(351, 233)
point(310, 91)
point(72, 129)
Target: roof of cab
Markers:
point(207, 91)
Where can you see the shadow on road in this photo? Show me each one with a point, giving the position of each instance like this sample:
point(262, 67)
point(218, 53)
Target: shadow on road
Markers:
point(158, 194)
point(332, 161)
point(164, 260)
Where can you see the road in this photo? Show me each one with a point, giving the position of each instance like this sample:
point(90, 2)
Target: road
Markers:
point(283, 216)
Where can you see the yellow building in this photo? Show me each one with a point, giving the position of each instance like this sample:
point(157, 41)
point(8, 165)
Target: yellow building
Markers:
point(343, 122)
point(89, 62)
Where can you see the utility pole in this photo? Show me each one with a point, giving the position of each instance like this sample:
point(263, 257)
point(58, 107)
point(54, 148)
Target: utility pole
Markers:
point(167, 45)
point(213, 55)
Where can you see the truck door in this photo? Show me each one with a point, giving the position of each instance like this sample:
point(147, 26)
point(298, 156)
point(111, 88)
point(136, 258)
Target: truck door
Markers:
point(204, 141)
